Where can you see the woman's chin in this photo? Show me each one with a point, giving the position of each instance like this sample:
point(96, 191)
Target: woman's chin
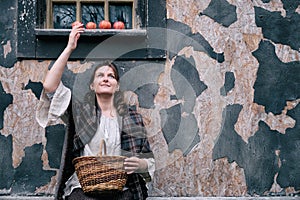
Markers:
point(105, 93)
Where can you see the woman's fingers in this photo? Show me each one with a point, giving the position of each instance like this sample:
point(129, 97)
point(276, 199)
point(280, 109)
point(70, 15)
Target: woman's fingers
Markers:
point(77, 29)
point(74, 35)
point(131, 165)
point(134, 164)
point(132, 160)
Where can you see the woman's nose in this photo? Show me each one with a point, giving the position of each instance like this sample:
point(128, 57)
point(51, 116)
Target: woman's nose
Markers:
point(105, 78)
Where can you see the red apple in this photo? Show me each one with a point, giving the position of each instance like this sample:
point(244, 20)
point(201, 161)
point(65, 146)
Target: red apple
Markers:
point(76, 23)
point(91, 25)
point(104, 24)
point(119, 25)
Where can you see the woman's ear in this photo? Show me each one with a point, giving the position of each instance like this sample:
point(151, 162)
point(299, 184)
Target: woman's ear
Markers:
point(91, 87)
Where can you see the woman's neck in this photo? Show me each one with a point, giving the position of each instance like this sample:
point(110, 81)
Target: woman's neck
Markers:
point(106, 106)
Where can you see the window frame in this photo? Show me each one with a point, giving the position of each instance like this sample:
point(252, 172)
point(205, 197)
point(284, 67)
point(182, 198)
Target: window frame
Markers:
point(36, 42)
point(49, 9)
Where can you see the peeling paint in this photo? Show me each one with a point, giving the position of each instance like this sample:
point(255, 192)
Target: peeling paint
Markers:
point(298, 10)
point(197, 170)
point(273, 6)
point(7, 48)
point(286, 53)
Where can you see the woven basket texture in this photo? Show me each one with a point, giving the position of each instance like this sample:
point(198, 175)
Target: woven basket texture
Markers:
point(100, 173)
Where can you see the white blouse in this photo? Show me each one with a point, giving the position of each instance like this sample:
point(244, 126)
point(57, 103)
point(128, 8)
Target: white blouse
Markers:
point(109, 131)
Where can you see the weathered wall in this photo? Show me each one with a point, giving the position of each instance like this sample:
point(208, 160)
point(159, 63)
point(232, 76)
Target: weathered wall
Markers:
point(222, 110)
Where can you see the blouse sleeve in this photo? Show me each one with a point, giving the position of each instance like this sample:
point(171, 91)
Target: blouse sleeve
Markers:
point(51, 107)
point(151, 168)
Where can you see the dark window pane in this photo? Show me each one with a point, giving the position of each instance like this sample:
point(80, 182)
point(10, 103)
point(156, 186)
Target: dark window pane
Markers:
point(92, 13)
point(64, 15)
point(121, 12)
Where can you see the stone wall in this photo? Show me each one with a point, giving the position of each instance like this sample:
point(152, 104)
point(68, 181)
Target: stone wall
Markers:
point(222, 109)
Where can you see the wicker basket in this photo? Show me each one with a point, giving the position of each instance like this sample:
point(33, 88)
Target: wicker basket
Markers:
point(101, 173)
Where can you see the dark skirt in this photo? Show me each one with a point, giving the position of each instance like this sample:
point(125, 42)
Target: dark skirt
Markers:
point(78, 194)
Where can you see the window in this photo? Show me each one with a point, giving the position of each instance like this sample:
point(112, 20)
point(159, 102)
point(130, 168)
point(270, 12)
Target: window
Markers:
point(43, 28)
point(61, 13)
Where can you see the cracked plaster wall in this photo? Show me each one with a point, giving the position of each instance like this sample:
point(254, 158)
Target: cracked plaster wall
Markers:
point(215, 160)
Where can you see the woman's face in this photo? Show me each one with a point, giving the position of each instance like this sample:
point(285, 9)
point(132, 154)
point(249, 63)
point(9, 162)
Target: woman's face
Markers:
point(104, 81)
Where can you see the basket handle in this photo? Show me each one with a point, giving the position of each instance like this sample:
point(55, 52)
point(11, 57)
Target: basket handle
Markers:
point(102, 146)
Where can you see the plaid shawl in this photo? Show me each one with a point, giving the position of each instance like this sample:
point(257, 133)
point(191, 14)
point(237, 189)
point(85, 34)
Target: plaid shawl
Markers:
point(86, 118)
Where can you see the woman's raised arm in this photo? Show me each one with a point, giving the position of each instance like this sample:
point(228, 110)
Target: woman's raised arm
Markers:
point(53, 76)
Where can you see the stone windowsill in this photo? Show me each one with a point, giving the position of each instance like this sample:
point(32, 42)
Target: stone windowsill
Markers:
point(50, 42)
point(91, 32)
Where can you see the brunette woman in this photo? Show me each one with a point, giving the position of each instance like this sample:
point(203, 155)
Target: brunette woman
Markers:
point(101, 115)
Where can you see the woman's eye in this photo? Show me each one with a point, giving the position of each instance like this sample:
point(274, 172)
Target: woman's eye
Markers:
point(111, 76)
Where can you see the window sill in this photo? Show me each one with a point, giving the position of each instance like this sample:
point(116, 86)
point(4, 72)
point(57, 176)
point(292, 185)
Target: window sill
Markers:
point(91, 32)
point(50, 42)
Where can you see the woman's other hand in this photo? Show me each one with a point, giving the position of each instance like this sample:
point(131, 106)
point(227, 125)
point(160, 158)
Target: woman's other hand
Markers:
point(74, 36)
point(134, 164)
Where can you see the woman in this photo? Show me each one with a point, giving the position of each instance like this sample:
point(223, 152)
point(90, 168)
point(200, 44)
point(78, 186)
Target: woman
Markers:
point(102, 115)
